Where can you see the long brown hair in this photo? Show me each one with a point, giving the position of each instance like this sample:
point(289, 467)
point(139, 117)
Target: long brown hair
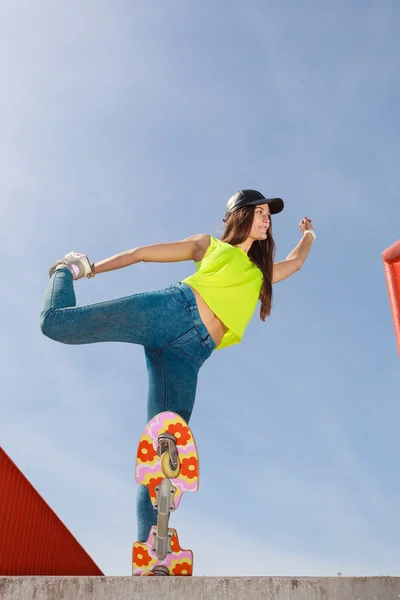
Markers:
point(262, 252)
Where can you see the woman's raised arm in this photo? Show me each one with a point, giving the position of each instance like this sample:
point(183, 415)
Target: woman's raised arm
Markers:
point(191, 248)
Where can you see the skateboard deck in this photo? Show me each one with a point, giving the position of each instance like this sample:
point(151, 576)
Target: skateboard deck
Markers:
point(167, 475)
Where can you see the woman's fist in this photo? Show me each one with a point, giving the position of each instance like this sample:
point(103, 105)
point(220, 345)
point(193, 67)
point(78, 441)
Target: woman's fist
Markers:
point(305, 225)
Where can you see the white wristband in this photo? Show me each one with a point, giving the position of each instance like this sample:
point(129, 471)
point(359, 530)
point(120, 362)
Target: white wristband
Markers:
point(311, 232)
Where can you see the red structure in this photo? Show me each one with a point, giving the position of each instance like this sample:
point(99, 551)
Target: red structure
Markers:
point(391, 262)
point(33, 540)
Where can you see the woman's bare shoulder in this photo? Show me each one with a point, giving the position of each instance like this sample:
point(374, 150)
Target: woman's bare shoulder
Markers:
point(203, 241)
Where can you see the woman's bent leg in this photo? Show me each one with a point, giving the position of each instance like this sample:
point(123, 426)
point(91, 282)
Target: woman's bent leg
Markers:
point(172, 386)
point(63, 321)
point(139, 319)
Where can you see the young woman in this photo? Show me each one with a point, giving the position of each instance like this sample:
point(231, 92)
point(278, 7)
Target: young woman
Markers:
point(179, 327)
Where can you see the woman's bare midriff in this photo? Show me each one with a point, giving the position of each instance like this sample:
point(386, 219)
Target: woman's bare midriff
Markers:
point(215, 326)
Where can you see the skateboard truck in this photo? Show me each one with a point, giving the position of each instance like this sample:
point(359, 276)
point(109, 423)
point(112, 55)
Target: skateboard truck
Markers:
point(164, 505)
point(169, 455)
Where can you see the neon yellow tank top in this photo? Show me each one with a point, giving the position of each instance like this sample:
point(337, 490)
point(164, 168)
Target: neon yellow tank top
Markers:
point(230, 284)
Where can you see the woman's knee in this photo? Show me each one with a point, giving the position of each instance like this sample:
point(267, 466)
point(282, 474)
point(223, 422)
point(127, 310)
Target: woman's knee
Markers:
point(50, 328)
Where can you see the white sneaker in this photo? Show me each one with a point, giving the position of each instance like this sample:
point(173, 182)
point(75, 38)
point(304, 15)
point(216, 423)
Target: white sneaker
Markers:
point(78, 264)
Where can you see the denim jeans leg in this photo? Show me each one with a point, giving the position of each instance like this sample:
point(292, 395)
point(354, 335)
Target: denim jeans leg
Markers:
point(172, 386)
point(150, 319)
point(63, 321)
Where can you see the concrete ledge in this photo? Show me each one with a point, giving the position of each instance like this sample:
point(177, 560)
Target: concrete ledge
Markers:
point(199, 588)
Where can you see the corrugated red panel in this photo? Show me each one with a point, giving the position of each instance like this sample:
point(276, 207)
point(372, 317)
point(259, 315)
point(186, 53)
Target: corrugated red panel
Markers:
point(33, 540)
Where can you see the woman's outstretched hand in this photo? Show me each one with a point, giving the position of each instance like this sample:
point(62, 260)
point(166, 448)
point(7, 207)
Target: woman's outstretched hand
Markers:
point(306, 225)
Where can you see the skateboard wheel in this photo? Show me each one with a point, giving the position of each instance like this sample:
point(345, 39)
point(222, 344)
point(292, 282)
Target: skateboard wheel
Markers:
point(160, 570)
point(166, 467)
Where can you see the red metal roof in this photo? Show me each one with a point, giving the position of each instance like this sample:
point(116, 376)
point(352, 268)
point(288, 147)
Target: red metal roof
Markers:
point(33, 540)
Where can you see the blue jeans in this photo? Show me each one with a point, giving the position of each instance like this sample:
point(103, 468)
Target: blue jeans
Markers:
point(167, 323)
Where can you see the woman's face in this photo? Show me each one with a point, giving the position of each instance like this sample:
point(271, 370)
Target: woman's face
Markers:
point(261, 222)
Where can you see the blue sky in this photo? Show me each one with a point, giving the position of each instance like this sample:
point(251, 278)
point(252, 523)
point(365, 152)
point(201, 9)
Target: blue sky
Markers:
point(125, 124)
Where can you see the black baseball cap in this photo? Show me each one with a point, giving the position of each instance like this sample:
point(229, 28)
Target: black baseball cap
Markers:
point(252, 198)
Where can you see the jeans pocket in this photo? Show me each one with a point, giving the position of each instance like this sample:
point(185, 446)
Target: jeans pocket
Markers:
point(189, 348)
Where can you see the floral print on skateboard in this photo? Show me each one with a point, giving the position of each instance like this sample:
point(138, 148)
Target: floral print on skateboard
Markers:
point(148, 463)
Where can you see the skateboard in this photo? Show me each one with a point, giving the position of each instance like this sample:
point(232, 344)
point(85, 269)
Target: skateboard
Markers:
point(167, 463)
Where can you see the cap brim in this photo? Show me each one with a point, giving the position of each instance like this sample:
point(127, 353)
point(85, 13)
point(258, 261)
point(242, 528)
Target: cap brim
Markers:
point(275, 205)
